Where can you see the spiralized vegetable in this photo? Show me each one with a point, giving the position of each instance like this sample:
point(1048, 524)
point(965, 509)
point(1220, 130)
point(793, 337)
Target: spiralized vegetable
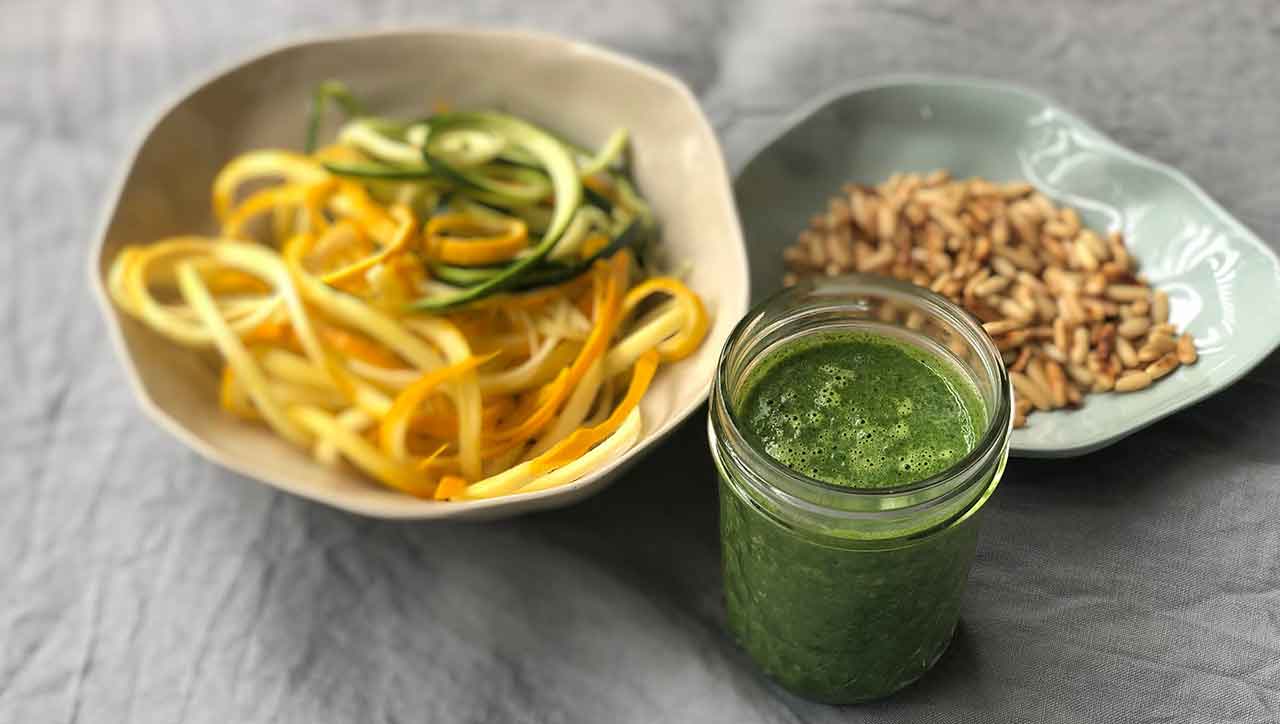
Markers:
point(433, 303)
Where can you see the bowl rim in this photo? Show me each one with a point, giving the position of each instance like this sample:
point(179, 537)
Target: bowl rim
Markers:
point(1095, 441)
point(415, 509)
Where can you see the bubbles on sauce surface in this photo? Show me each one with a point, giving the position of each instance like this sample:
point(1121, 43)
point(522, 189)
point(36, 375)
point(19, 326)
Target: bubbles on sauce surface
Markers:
point(859, 410)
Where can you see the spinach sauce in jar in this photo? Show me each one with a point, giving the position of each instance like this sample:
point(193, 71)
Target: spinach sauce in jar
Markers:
point(830, 616)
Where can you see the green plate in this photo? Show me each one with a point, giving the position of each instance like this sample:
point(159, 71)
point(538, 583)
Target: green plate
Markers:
point(1223, 282)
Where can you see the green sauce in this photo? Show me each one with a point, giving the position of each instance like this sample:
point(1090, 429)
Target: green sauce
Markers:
point(860, 410)
point(830, 617)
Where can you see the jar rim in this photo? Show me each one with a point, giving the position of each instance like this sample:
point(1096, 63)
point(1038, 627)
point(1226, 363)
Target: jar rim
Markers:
point(934, 489)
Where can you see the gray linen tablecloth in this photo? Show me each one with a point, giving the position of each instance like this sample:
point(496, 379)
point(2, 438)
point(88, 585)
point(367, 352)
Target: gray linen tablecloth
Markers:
point(139, 583)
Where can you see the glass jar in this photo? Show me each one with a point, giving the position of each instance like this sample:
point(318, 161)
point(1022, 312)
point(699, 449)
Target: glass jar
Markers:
point(844, 594)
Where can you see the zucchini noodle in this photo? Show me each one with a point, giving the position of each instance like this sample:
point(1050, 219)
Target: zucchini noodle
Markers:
point(455, 307)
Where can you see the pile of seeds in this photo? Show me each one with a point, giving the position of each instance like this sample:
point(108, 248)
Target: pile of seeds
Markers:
point(1064, 305)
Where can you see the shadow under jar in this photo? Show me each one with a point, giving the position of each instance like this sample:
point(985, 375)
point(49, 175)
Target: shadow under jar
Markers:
point(859, 425)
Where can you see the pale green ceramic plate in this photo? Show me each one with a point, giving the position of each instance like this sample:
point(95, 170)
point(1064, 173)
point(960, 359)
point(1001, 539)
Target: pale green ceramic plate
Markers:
point(1223, 282)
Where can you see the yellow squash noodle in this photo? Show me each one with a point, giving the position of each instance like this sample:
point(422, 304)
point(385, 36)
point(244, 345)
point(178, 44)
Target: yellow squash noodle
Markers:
point(470, 240)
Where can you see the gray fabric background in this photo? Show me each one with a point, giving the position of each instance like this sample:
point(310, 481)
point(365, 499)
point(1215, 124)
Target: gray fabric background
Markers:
point(141, 584)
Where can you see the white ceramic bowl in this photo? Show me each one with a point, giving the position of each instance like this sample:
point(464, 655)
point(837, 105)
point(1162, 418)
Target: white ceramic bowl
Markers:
point(579, 90)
